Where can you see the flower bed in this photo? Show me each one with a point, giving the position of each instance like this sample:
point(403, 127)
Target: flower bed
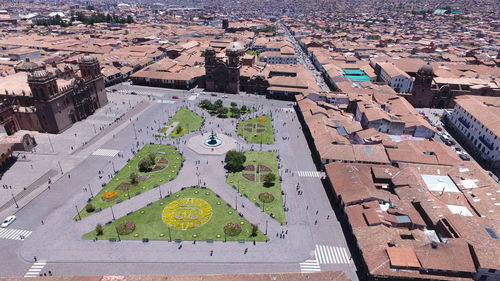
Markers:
point(125, 228)
point(109, 195)
point(125, 186)
point(232, 229)
point(266, 197)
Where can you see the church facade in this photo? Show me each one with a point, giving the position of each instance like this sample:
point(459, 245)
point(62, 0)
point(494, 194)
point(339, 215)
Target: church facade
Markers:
point(223, 74)
point(49, 107)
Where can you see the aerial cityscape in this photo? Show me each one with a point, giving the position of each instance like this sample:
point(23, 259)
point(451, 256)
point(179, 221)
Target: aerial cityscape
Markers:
point(250, 140)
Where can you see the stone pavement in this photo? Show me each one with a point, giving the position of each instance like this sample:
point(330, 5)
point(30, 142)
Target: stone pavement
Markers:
point(59, 238)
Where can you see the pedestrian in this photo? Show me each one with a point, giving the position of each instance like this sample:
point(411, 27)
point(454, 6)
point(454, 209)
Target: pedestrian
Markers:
point(50, 273)
point(42, 222)
point(315, 222)
point(211, 252)
point(317, 212)
point(246, 250)
point(35, 258)
point(328, 217)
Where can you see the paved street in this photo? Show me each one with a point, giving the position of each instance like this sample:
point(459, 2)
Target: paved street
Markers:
point(312, 232)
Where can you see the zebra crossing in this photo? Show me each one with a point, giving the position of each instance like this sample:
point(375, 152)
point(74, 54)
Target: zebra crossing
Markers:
point(192, 97)
point(106, 152)
point(165, 101)
point(310, 265)
point(311, 174)
point(331, 255)
point(14, 234)
point(35, 269)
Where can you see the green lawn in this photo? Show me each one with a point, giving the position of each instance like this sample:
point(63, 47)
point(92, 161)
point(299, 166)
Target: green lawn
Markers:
point(257, 130)
point(149, 221)
point(146, 182)
point(252, 188)
point(188, 121)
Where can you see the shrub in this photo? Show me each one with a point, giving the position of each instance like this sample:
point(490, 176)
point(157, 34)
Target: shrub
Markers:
point(125, 228)
point(99, 230)
point(244, 108)
point(152, 158)
point(134, 178)
point(218, 104)
point(205, 104)
point(177, 130)
point(233, 104)
point(269, 179)
point(266, 197)
point(255, 229)
point(89, 208)
point(232, 229)
point(145, 166)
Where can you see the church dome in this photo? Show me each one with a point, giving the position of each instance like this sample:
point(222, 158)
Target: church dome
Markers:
point(235, 47)
point(88, 59)
point(40, 74)
point(27, 66)
point(209, 51)
point(426, 69)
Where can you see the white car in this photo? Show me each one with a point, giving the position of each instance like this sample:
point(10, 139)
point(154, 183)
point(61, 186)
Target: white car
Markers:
point(8, 220)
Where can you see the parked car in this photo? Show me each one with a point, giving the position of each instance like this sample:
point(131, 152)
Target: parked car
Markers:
point(452, 142)
point(8, 220)
point(464, 157)
point(444, 138)
point(224, 97)
point(439, 129)
point(175, 97)
point(448, 143)
point(213, 94)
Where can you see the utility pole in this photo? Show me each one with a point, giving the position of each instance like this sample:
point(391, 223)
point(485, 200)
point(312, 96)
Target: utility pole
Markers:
point(112, 213)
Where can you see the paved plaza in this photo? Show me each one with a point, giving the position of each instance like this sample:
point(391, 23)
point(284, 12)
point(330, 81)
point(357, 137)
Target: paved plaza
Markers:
point(312, 239)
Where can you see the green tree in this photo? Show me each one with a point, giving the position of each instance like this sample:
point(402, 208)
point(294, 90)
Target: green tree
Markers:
point(134, 178)
point(244, 109)
point(235, 111)
point(152, 158)
point(234, 161)
point(218, 103)
point(269, 179)
point(99, 230)
point(255, 229)
point(145, 166)
point(222, 110)
point(205, 104)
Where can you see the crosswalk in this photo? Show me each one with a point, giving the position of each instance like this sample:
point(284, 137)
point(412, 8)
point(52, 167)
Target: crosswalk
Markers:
point(14, 234)
point(310, 265)
point(36, 268)
point(331, 255)
point(165, 101)
point(106, 152)
point(311, 174)
point(192, 97)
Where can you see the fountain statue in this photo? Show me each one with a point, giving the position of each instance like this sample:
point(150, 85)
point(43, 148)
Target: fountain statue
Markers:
point(213, 140)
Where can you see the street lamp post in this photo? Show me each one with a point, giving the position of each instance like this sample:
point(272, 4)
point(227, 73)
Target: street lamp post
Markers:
point(78, 213)
point(135, 131)
point(236, 197)
point(60, 168)
point(112, 213)
point(159, 189)
point(266, 227)
point(13, 197)
point(116, 228)
point(169, 235)
point(91, 194)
